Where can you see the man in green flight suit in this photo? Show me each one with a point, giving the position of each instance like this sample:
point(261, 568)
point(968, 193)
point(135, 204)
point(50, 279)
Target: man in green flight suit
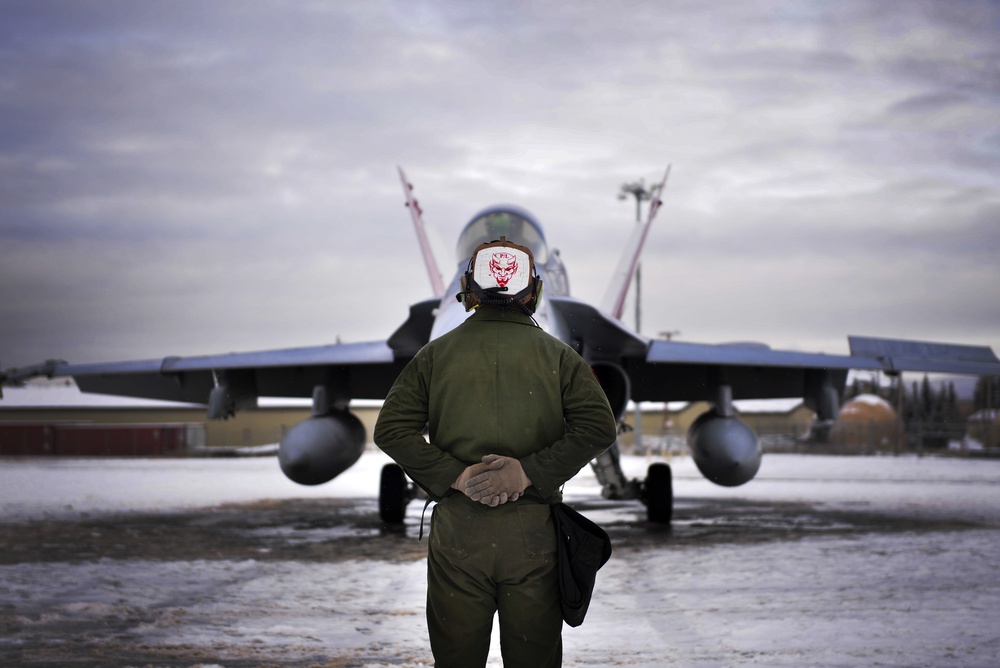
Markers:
point(512, 413)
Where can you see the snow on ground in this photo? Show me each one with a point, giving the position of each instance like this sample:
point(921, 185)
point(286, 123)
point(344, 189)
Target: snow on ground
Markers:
point(921, 597)
point(65, 487)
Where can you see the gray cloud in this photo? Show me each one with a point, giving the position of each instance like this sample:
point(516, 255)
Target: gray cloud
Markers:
point(182, 178)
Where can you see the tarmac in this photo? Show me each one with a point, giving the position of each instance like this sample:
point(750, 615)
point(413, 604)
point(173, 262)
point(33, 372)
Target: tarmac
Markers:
point(822, 562)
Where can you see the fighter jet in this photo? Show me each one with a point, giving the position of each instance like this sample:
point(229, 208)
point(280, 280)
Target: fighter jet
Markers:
point(629, 366)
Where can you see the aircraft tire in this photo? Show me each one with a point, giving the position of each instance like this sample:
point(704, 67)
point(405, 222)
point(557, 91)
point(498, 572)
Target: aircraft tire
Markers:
point(659, 493)
point(392, 494)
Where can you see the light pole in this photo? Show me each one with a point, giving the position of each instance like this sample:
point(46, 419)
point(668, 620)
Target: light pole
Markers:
point(640, 193)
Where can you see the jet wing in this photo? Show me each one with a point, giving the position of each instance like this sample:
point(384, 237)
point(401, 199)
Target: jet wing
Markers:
point(677, 371)
point(686, 371)
point(901, 355)
point(363, 370)
point(348, 370)
point(680, 371)
point(749, 354)
point(673, 371)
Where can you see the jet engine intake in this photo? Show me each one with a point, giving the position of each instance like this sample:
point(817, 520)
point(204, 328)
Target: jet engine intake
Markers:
point(320, 448)
point(615, 383)
point(724, 448)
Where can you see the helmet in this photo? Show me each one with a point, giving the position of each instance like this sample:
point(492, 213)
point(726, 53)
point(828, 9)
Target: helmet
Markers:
point(501, 274)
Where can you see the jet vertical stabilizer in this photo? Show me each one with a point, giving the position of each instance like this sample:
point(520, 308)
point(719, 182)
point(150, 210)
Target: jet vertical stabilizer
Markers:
point(614, 299)
point(437, 284)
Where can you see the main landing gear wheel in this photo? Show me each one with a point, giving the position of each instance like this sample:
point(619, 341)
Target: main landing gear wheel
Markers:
point(394, 492)
point(658, 493)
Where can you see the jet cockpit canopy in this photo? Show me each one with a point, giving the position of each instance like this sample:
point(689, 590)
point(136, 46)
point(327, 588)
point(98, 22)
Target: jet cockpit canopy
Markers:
point(512, 222)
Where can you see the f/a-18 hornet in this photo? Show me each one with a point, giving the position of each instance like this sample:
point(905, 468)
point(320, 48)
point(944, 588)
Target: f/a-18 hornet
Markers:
point(628, 365)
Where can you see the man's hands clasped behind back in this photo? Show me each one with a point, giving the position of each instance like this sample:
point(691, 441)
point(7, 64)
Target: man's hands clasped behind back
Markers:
point(470, 472)
point(503, 480)
point(494, 481)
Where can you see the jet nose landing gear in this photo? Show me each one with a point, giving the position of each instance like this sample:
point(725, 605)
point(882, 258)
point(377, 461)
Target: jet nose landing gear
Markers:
point(656, 491)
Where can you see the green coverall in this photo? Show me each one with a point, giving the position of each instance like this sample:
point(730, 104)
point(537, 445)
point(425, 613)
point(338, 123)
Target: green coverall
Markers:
point(497, 384)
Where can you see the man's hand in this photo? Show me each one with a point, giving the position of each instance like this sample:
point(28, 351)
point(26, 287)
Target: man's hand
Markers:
point(503, 481)
point(472, 471)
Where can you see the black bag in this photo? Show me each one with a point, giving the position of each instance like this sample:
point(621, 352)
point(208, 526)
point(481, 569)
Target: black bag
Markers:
point(582, 549)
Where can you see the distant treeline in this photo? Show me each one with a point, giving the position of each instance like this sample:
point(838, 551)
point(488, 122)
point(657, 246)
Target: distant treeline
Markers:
point(929, 410)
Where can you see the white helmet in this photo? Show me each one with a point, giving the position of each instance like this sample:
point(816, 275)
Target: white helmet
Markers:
point(501, 274)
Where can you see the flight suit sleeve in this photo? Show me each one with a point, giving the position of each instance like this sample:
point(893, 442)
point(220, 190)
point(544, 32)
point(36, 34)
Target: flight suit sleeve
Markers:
point(399, 432)
point(590, 430)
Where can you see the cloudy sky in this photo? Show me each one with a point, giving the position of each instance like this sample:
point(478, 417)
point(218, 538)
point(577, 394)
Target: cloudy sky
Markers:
point(198, 177)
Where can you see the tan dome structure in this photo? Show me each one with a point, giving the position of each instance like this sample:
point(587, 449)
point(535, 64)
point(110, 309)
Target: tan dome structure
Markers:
point(867, 421)
point(867, 407)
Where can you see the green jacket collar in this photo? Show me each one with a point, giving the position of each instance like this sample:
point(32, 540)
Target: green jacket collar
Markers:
point(490, 314)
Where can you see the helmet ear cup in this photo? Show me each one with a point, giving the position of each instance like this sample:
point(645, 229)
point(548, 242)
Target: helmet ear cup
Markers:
point(467, 295)
point(463, 296)
point(536, 294)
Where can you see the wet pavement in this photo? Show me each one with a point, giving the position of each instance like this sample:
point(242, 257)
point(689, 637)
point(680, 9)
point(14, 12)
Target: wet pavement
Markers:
point(321, 582)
